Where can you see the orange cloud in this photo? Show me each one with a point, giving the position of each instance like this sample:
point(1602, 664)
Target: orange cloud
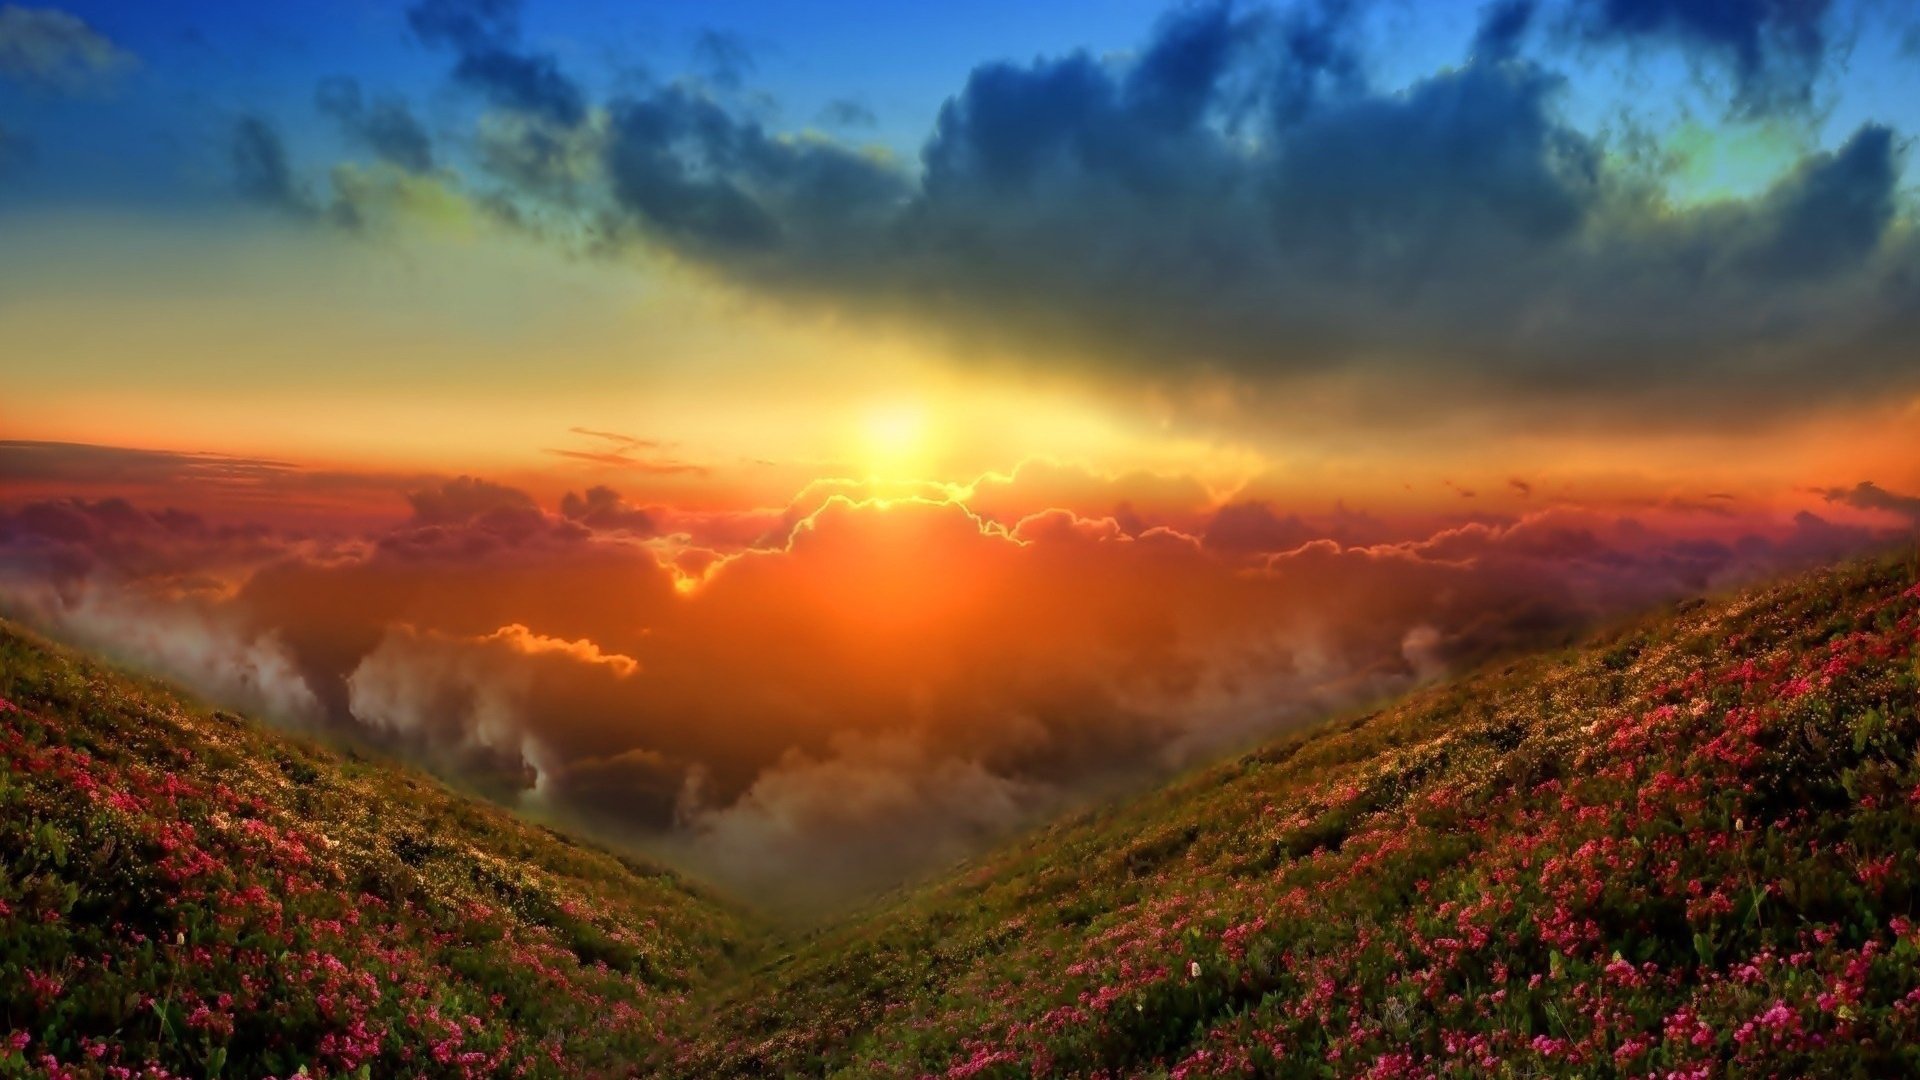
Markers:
point(523, 640)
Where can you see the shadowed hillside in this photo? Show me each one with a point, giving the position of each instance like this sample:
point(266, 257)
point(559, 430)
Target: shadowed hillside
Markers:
point(1685, 850)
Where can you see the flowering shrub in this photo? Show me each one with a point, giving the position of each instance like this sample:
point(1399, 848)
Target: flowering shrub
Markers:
point(186, 894)
point(1689, 851)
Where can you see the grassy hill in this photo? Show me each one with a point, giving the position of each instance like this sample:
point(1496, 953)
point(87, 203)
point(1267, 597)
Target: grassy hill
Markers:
point(1686, 850)
point(185, 888)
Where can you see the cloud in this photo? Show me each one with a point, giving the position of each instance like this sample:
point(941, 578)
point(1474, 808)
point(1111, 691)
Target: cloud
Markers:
point(1234, 204)
point(207, 651)
point(1254, 527)
point(1503, 24)
point(226, 487)
point(459, 705)
point(602, 508)
point(1867, 495)
point(467, 702)
point(386, 126)
point(531, 83)
point(723, 57)
point(466, 498)
point(465, 24)
point(149, 588)
point(1245, 159)
point(23, 461)
point(611, 450)
point(624, 442)
point(355, 198)
point(882, 685)
point(720, 185)
point(167, 553)
point(54, 51)
point(468, 517)
point(526, 642)
point(1832, 214)
point(804, 830)
point(542, 163)
point(261, 173)
point(847, 113)
point(490, 59)
point(1135, 500)
point(1775, 49)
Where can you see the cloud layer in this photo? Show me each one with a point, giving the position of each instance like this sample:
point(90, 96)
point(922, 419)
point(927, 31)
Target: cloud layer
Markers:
point(873, 688)
point(1238, 199)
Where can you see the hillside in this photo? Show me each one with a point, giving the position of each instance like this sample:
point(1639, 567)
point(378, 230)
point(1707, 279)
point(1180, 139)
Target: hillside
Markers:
point(1684, 850)
point(185, 888)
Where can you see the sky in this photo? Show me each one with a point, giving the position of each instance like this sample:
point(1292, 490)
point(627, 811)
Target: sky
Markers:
point(808, 440)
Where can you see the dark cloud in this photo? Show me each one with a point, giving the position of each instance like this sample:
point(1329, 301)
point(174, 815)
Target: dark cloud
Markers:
point(1774, 49)
point(533, 158)
point(602, 508)
point(1867, 495)
point(263, 175)
point(466, 498)
point(1500, 178)
point(1254, 527)
point(847, 113)
point(1502, 25)
point(55, 51)
point(1831, 215)
point(467, 519)
point(1238, 200)
point(1174, 81)
point(465, 24)
point(1318, 56)
point(60, 542)
point(723, 58)
point(386, 126)
point(492, 61)
point(719, 184)
point(352, 200)
point(260, 169)
point(531, 83)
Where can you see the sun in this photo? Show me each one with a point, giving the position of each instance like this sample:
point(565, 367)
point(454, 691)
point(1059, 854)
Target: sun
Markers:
point(895, 438)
